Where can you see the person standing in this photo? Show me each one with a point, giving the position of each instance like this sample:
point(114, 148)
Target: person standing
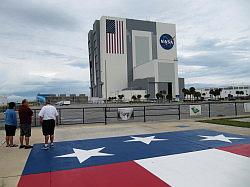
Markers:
point(48, 118)
point(25, 116)
point(10, 124)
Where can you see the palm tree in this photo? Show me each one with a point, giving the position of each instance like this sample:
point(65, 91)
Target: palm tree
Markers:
point(169, 97)
point(237, 92)
point(217, 92)
point(133, 97)
point(214, 94)
point(164, 94)
point(197, 95)
point(138, 97)
point(120, 97)
point(147, 96)
point(211, 92)
point(192, 91)
point(188, 94)
point(159, 96)
point(184, 91)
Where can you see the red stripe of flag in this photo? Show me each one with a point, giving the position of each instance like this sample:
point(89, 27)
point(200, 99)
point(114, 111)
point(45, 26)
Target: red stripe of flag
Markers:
point(122, 40)
point(125, 174)
point(242, 149)
point(109, 43)
point(116, 33)
point(120, 37)
point(106, 43)
point(119, 34)
point(113, 43)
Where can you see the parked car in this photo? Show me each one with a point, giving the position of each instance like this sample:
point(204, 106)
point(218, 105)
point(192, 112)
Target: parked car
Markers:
point(61, 103)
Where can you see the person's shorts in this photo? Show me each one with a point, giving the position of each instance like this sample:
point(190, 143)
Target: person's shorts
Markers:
point(25, 130)
point(10, 130)
point(48, 127)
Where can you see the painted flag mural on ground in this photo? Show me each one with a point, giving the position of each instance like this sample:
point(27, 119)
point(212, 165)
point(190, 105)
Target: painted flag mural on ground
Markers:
point(183, 158)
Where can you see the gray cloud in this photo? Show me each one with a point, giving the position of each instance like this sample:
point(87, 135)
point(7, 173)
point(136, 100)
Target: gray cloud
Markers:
point(54, 86)
point(43, 44)
point(82, 63)
point(37, 13)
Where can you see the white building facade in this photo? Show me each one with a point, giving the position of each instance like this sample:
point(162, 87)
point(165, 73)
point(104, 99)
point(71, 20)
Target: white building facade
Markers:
point(127, 54)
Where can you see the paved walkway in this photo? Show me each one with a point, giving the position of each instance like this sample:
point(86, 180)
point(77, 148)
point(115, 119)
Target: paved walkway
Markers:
point(12, 160)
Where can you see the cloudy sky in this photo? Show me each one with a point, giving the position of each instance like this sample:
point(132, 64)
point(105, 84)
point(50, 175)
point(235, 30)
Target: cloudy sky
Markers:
point(43, 43)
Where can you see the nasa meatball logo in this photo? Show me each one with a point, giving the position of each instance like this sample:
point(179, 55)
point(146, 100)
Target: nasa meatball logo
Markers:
point(166, 41)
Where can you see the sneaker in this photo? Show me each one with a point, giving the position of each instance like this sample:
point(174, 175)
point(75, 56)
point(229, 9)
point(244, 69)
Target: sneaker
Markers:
point(14, 145)
point(45, 147)
point(21, 146)
point(28, 147)
point(7, 145)
point(52, 145)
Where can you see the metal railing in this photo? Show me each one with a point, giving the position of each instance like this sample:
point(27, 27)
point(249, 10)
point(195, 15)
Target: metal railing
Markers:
point(142, 112)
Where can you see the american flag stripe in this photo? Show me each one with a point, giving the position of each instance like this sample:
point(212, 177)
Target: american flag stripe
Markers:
point(122, 41)
point(117, 38)
point(112, 43)
point(114, 37)
point(115, 43)
point(119, 26)
point(107, 46)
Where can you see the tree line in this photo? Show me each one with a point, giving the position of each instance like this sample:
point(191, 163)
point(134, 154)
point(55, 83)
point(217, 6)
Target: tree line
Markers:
point(193, 94)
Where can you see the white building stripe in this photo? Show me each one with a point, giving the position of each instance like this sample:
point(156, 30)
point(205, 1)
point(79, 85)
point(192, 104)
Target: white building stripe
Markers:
point(201, 168)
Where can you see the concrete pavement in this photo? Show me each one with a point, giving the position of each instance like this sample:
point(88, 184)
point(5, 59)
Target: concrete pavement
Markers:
point(12, 160)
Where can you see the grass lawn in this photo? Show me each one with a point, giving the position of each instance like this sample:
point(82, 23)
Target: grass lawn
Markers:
point(228, 121)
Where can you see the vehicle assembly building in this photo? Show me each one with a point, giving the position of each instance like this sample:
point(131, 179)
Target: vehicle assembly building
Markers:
point(128, 54)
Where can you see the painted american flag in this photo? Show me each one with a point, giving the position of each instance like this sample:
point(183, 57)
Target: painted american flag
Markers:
point(196, 158)
point(114, 36)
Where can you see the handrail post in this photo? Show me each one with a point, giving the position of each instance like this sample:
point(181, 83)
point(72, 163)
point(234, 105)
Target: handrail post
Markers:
point(179, 111)
point(83, 116)
point(105, 115)
point(209, 110)
point(35, 116)
point(144, 113)
point(235, 107)
point(60, 116)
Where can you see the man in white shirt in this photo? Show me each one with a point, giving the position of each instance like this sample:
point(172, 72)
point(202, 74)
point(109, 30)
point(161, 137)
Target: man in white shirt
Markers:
point(48, 118)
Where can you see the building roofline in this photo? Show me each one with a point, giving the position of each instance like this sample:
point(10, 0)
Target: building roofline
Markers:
point(150, 21)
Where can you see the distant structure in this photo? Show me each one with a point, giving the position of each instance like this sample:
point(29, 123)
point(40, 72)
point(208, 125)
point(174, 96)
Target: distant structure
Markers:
point(73, 98)
point(128, 54)
point(228, 92)
point(3, 100)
